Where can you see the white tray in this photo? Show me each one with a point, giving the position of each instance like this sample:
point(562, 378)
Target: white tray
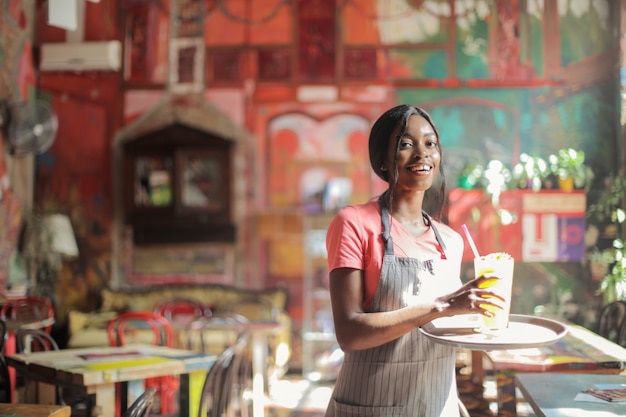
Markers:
point(523, 332)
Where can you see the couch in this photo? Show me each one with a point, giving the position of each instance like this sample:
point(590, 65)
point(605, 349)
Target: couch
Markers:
point(88, 329)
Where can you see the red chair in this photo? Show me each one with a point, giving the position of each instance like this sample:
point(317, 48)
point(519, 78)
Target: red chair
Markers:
point(152, 328)
point(28, 311)
point(182, 309)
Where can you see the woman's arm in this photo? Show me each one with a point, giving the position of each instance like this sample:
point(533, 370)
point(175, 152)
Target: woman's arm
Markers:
point(356, 330)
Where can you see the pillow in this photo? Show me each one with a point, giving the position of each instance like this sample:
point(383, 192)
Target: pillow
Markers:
point(79, 321)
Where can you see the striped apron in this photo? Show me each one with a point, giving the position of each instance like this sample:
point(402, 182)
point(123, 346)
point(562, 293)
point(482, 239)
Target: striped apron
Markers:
point(407, 377)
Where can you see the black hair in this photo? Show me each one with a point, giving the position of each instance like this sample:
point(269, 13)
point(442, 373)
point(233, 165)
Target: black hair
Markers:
point(392, 125)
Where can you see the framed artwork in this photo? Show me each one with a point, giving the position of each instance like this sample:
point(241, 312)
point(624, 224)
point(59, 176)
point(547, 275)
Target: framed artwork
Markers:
point(187, 72)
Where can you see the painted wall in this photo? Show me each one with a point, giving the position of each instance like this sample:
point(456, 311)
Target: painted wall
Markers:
point(307, 80)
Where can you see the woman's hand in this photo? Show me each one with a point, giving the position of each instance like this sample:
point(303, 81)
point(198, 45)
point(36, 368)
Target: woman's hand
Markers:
point(472, 298)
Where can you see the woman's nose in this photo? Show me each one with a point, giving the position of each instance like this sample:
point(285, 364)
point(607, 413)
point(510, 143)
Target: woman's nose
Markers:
point(420, 150)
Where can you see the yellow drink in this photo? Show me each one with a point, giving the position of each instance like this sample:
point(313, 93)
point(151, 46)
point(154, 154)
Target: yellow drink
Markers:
point(500, 265)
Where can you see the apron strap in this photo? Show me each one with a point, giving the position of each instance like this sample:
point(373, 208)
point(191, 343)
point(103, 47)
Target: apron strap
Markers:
point(437, 235)
point(386, 234)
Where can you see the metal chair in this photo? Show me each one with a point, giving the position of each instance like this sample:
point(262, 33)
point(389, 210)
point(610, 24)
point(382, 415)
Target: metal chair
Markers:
point(224, 384)
point(213, 334)
point(151, 328)
point(28, 308)
point(37, 340)
point(142, 406)
point(34, 340)
point(611, 321)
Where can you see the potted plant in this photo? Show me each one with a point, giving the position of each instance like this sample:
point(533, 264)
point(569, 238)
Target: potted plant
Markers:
point(606, 217)
point(530, 172)
point(568, 165)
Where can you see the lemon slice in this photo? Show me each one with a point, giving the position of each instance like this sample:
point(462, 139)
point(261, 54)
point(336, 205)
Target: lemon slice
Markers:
point(488, 282)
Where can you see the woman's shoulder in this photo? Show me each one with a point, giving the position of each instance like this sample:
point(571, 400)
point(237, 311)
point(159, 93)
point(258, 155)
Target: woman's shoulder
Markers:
point(364, 210)
point(358, 214)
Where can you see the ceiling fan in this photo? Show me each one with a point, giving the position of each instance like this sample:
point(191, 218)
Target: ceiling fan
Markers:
point(28, 127)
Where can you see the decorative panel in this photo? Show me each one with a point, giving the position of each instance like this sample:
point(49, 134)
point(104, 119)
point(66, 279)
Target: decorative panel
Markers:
point(225, 65)
point(359, 64)
point(316, 40)
point(139, 31)
point(274, 64)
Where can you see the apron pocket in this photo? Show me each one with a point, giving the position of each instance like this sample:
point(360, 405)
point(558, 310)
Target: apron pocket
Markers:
point(346, 410)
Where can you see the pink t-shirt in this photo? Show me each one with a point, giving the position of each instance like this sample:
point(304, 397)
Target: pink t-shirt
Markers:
point(354, 241)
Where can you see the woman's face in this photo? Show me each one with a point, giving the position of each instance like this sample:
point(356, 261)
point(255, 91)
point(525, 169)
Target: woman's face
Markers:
point(419, 156)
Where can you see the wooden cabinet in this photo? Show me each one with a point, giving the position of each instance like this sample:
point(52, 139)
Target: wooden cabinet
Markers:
point(177, 187)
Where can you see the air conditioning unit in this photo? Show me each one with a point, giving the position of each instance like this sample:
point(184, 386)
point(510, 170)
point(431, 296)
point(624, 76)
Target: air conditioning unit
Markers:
point(81, 56)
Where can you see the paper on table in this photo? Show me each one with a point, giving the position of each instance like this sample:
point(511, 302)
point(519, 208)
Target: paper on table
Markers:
point(569, 412)
point(581, 396)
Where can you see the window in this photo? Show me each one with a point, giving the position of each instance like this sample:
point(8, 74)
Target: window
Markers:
point(177, 187)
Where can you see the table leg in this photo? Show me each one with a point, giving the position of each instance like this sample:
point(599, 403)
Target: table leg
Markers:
point(507, 402)
point(184, 396)
point(259, 357)
point(105, 401)
point(478, 371)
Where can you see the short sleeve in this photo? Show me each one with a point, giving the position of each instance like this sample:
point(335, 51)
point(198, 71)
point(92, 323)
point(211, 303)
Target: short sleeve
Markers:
point(344, 242)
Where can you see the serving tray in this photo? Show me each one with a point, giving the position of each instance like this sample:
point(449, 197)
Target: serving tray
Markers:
point(523, 332)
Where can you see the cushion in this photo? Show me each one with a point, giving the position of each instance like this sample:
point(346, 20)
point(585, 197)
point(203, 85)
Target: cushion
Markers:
point(219, 297)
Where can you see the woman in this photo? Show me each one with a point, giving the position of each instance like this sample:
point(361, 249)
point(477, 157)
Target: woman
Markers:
point(392, 269)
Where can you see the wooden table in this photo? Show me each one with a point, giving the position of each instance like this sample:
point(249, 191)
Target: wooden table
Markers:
point(552, 394)
point(35, 410)
point(96, 371)
point(579, 351)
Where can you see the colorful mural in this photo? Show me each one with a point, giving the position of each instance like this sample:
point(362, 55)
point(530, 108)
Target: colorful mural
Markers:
point(305, 154)
point(500, 78)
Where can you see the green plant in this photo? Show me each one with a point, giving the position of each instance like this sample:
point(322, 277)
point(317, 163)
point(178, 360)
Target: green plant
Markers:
point(530, 172)
point(613, 284)
point(607, 207)
point(571, 163)
point(606, 214)
point(470, 175)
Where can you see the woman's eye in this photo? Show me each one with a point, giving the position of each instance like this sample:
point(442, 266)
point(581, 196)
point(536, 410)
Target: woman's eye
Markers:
point(406, 144)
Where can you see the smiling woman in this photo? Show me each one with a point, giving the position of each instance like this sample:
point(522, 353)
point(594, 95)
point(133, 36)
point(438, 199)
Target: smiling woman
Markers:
point(394, 268)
